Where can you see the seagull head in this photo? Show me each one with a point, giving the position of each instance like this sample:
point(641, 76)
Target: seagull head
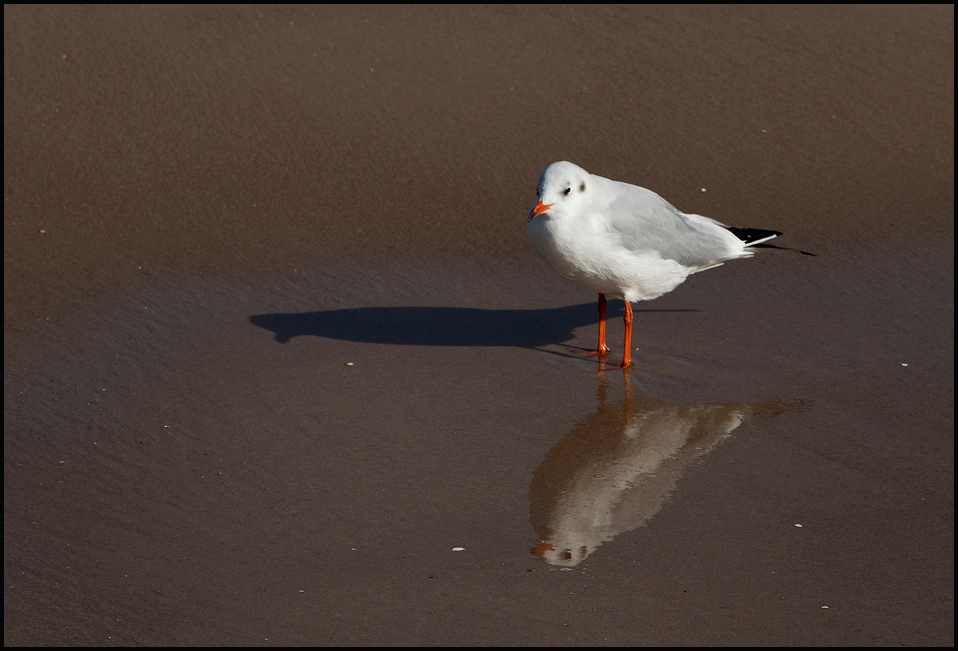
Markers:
point(562, 187)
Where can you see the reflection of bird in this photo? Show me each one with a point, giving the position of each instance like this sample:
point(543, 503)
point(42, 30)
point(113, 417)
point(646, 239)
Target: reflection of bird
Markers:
point(616, 468)
point(625, 241)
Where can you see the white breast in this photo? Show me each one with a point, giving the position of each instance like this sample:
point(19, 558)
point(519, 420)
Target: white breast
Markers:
point(588, 254)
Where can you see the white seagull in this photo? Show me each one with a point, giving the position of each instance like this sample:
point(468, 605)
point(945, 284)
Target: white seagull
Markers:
point(624, 241)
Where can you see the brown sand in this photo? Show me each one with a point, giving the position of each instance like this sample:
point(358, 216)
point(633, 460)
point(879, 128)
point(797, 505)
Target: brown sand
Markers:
point(209, 212)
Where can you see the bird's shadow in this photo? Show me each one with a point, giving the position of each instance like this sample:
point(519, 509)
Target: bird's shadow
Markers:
point(437, 326)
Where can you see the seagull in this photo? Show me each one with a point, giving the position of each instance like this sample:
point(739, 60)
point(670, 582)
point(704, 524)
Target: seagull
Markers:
point(626, 242)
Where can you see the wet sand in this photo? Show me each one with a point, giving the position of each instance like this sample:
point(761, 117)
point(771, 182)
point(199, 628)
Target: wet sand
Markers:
point(276, 344)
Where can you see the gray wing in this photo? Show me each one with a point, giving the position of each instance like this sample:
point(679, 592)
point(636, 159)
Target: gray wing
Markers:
point(647, 222)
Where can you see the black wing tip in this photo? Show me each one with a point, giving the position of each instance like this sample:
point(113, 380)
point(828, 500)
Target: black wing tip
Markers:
point(759, 237)
point(749, 235)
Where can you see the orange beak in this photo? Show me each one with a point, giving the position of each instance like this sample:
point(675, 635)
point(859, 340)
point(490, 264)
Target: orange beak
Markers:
point(537, 210)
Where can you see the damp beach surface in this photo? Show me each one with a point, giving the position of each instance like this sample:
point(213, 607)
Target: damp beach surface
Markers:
point(281, 366)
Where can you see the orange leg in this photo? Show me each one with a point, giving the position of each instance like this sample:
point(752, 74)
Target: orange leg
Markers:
point(602, 349)
point(627, 355)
